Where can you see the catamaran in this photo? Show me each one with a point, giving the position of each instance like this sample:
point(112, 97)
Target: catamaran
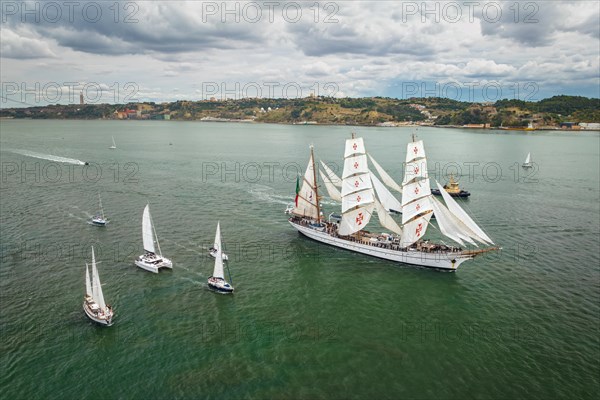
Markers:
point(93, 303)
point(99, 219)
point(114, 145)
point(361, 198)
point(528, 163)
point(152, 259)
point(217, 280)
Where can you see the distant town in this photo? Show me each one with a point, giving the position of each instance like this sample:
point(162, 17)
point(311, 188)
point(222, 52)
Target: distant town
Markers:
point(558, 112)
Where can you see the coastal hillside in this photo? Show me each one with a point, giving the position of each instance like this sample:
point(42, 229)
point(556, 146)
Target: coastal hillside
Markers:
point(552, 112)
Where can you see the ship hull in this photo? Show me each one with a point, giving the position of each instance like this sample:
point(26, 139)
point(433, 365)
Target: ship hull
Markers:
point(462, 193)
point(153, 267)
point(93, 317)
point(447, 261)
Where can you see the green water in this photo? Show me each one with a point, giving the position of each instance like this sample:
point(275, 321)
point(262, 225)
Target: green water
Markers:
point(306, 321)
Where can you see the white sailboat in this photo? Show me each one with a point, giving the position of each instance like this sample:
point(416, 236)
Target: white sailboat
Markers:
point(528, 163)
point(114, 145)
point(217, 280)
point(152, 259)
point(99, 219)
point(362, 195)
point(93, 304)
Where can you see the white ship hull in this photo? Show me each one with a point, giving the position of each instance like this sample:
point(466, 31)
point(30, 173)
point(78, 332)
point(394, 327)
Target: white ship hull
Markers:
point(448, 261)
point(153, 266)
point(96, 318)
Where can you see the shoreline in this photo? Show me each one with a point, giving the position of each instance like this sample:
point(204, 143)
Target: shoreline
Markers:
point(248, 121)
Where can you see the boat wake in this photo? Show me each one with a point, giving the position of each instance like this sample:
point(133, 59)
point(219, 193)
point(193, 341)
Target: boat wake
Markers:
point(265, 194)
point(48, 157)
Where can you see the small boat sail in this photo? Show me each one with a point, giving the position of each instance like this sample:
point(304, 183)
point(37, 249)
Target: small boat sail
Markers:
point(528, 163)
point(217, 281)
point(152, 259)
point(93, 303)
point(452, 189)
point(114, 145)
point(99, 219)
point(363, 195)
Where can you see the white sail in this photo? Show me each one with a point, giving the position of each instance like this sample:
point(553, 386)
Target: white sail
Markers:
point(528, 159)
point(357, 190)
point(354, 146)
point(333, 192)
point(386, 220)
point(385, 196)
point(415, 170)
point(96, 285)
point(355, 220)
point(478, 233)
point(100, 205)
point(356, 183)
point(415, 230)
point(449, 225)
point(357, 199)
point(307, 197)
point(218, 270)
point(385, 176)
point(414, 191)
point(354, 165)
point(336, 180)
point(88, 284)
point(414, 151)
point(148, 231)
point(415, 208)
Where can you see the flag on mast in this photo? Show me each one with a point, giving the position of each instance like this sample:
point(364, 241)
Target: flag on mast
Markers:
point(297, 189)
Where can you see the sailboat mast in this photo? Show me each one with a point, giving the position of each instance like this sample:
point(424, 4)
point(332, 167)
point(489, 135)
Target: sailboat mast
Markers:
point(312, 156)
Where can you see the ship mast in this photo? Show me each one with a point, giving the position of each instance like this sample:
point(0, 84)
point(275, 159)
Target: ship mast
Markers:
point(312, 156)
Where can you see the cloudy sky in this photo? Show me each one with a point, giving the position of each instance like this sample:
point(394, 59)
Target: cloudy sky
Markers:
point(168, 50)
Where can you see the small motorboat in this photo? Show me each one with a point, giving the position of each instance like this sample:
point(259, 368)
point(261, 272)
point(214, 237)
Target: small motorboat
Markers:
point(452, 189)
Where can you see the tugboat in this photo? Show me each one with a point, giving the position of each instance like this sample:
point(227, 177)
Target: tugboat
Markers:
point(452, 189)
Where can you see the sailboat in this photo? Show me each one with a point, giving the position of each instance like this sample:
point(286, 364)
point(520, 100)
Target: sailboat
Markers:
point(99, 219)
point(217, 280)
point(152, 259)
point(114, 146)
point(360, 199)
point(93, 304)
point(528, 163)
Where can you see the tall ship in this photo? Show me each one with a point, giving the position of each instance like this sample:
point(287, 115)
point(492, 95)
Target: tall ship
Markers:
point(362, 194)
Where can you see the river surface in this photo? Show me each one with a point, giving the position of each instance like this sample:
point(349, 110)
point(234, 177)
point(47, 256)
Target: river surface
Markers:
point(306, 320)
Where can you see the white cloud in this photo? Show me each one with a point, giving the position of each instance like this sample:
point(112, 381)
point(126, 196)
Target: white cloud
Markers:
point(372, 47)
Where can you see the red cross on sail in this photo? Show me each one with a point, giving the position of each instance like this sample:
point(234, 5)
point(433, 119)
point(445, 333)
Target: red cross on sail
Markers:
point(419, 229)
point(356, 183)
point(356, 165)
point(415, 150)
point(359, 219)
point(358, 198)
point(416, 190)
point(418, 207)
point(354, 146)
point(416, 170)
